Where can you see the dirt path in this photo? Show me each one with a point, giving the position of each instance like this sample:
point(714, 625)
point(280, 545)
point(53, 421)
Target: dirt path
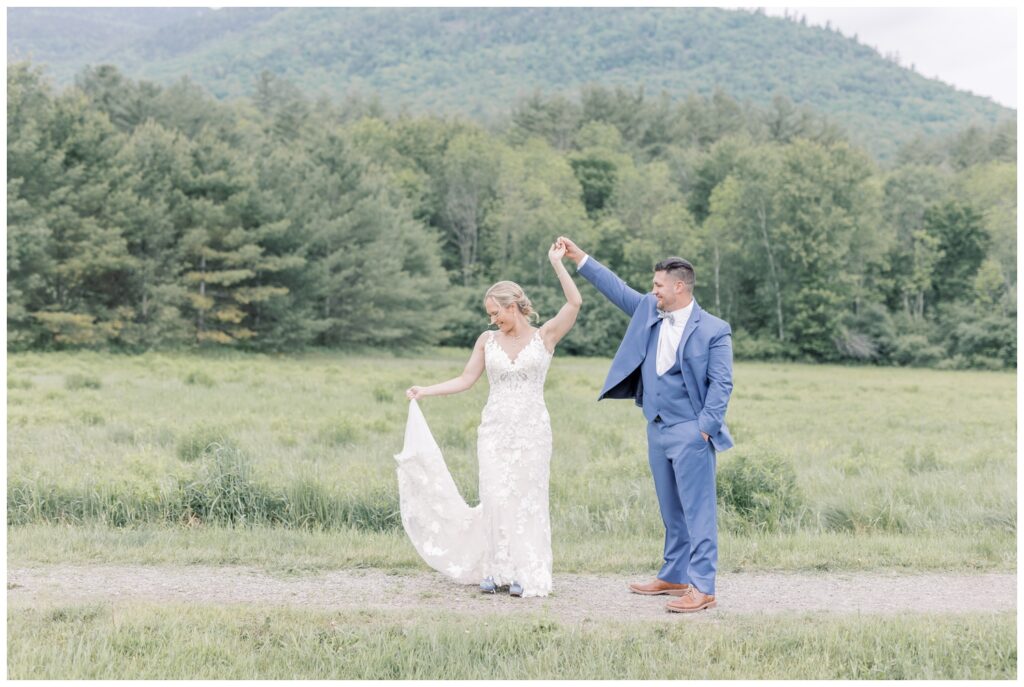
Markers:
point(576, 597)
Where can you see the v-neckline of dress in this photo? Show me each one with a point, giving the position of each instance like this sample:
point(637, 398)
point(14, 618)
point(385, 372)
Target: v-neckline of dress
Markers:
point(511, 360)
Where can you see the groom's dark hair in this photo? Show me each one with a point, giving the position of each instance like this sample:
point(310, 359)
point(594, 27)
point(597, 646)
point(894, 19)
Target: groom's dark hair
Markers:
point(680, 269)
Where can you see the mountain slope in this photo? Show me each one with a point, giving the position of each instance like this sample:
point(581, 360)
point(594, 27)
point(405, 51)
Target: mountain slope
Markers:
point(479, 61)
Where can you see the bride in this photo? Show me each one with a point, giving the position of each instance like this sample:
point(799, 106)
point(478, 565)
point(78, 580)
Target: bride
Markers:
point(506, 539)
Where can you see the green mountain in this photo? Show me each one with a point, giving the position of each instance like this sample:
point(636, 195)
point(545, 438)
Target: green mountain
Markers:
point(481, 61)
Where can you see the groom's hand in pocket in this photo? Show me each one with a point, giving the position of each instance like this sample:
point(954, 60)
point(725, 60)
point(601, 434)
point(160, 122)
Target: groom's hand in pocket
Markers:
point(705, 435)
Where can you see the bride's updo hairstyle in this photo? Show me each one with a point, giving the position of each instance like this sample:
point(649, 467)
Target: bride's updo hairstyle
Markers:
point(507, 292)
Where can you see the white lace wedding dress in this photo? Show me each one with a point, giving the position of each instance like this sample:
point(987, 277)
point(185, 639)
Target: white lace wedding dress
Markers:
point(508, 535)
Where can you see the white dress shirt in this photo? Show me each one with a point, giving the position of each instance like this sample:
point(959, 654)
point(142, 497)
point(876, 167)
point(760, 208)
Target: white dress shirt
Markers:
point(669, 336)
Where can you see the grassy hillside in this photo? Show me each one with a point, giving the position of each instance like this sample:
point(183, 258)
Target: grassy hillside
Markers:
point(478, 61)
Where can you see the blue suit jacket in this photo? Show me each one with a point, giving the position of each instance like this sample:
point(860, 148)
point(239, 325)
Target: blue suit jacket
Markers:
point(705, 353)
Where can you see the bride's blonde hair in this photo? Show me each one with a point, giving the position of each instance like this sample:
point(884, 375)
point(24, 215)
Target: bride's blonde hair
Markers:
point(507, 292)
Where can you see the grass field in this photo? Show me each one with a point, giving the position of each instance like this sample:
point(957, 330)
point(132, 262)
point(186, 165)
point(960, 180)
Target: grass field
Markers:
point(285, 463)
point(834, 468)
point(186, 642)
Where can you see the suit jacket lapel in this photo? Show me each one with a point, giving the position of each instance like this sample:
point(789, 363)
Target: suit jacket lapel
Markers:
point(652, 316)
point(691, 324)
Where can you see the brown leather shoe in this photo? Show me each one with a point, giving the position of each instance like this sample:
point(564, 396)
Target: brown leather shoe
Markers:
point(693, 600)
point(659, 587)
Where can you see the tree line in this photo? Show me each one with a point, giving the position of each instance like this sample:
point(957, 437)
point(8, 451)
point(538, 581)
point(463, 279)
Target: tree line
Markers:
point(142, 216)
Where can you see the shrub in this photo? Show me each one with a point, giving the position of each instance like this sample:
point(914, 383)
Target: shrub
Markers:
point(916, 350)
point(225, 492)
point(987, 339)
point(868, 334)
point(855, 345)
point(747, 346)
point(761, 490)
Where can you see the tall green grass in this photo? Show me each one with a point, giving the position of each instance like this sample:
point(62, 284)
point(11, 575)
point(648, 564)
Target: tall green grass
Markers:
point(224, 491)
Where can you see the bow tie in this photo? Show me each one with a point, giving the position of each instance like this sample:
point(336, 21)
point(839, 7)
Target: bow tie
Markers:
point(663, 315)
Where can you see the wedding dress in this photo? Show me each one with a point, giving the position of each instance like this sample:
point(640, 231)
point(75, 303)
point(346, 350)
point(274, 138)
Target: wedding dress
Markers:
point(508, 535)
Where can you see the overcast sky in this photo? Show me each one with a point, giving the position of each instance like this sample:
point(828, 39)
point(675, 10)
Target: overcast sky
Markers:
point(972, 49)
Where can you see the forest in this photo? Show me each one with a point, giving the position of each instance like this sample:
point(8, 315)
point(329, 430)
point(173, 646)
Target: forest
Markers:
point(145, 216)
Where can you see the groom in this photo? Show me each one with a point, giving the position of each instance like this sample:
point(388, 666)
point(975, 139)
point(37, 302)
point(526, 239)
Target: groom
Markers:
point(676, 363)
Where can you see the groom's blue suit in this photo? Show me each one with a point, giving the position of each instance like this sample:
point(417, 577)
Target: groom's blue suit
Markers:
point(680, 404)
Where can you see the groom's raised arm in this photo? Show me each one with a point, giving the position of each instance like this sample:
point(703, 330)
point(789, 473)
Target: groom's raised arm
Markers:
point(604, 280)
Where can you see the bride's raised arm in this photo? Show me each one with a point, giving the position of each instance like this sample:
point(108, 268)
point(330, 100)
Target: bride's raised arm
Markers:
point(558, 326)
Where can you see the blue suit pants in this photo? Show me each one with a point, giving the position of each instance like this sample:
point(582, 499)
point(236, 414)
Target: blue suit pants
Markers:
point(683, 465)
